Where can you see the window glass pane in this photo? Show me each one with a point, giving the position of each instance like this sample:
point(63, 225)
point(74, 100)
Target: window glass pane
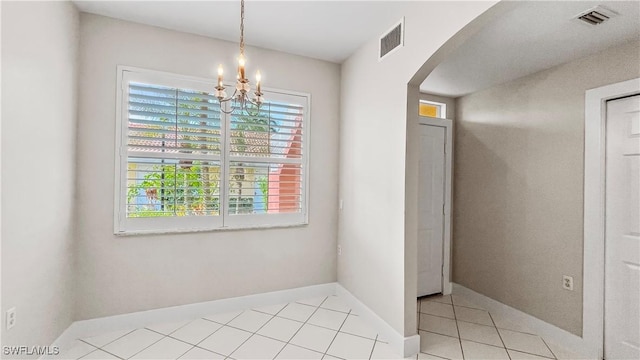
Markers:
point(172, 121)
point(198, 123)
point(162, 187)
point(264, 188)
point(182, 150)
point(429, 110)
point(274, 131)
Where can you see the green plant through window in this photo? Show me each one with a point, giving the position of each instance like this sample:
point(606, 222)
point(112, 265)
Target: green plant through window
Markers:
point(173, 187)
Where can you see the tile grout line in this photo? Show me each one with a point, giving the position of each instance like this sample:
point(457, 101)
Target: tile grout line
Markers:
point(457, 329)
point(374, 347)
point(171, 337)
point(108, 352)
point(256, 332)
point(305, 323)
point(529, 353)
point(95, 347)
point(451, 303)
point(300, 328)
point(103, 350)
point(438, 356)
point(475, 323)
point(181, 355)
point(336, 335)
point(118, 338)
point(155, 342)
point(323, 308)
point(548, 347)
point(194, 346)
point(320, 326)
point(499, 335)
point(221, 327)
point(518, 331)
point(188, 343)
point(81, 356)
point(441, 316)
point(481, 343)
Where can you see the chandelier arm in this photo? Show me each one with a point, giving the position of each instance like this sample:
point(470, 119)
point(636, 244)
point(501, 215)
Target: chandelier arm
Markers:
point(229, 98)
point(227, 112)
point(254, 103)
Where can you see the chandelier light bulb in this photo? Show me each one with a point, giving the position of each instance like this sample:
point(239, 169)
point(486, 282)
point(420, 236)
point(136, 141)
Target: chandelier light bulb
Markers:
point(240, 98)
point(220, 71)
point(241, 62)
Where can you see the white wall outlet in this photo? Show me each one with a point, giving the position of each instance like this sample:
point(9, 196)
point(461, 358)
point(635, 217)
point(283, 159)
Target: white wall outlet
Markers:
point(567, 282)
point(339, 250)
point(11, 318)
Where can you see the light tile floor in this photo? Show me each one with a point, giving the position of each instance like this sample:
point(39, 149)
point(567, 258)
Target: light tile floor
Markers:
point(450, 327)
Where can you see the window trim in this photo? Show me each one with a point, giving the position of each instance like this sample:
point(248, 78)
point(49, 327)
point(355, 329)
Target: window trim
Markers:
point(137, 226)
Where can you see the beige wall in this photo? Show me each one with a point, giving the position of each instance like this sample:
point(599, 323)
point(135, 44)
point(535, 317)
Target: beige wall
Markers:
point(378, 261)
point(39, 62)
point(518, 203)
point(123, 274)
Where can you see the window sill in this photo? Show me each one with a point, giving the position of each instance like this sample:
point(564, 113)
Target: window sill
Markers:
point(190, 231)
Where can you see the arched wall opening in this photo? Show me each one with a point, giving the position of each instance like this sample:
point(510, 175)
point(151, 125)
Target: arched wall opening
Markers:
point(376, 233)
point(412, 150)
point(528, 133)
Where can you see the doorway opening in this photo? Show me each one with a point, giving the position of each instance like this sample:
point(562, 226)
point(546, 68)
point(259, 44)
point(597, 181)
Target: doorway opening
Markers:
point(598, 205)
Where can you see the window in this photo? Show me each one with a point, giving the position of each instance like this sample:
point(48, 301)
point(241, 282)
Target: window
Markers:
point(432, 109)
point(183, 164)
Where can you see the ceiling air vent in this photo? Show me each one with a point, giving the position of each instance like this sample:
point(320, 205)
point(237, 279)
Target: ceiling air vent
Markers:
point(392, 40)
point(596, 15)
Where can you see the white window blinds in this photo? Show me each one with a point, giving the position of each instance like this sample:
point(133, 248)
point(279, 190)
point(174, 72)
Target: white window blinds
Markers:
point(173, 149)
point(184, 164)
point(266, 160)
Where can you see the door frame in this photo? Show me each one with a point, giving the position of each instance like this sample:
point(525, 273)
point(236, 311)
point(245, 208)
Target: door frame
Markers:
point(447, 124)
point(594, 208)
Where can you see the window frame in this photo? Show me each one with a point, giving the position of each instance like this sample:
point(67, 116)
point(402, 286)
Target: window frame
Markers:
point(124, 225)
point(441, 112)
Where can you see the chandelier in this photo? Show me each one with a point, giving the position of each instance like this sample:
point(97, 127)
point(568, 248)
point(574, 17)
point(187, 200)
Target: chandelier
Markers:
point(241, 92)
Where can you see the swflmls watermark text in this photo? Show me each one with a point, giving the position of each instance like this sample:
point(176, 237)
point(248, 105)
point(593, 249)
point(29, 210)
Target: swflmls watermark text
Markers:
point(31, 350)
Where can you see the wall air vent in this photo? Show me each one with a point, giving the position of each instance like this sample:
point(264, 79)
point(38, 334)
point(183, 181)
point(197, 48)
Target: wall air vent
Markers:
point(392, 40)
point(596, 15)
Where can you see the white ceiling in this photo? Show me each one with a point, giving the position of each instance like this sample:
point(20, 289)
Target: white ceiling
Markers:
point(532, 37)
point(327, 30)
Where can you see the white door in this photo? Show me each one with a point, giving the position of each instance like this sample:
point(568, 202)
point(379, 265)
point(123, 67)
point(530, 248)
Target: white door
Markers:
point(622, 237)
point(430, 209)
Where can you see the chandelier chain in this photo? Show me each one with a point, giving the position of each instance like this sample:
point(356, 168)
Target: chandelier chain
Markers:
point(242, 27)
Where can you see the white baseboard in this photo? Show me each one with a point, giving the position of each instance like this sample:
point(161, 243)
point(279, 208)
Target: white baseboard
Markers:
point(447, 288)
point(559, 336)
point(87, 328)
point(409, 346)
